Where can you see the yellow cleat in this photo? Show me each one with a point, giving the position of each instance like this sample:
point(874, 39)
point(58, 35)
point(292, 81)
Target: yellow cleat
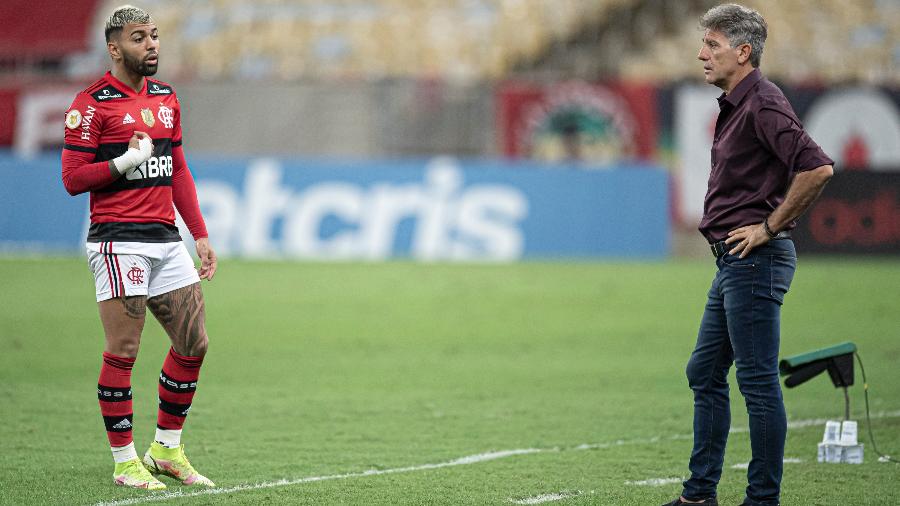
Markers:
point(134, 474)
point(173, 462)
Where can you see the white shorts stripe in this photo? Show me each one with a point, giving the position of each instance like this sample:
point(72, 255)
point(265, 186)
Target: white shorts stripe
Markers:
point(120, 283)
point(112, 267)
point(110, 271)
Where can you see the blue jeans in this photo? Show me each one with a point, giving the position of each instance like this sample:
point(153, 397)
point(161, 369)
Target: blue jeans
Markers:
point(741, 324)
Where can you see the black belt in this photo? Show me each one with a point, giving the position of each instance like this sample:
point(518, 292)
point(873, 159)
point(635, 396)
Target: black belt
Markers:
point(720, 248)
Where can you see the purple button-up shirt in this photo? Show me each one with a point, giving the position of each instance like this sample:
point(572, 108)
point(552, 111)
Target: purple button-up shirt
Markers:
point(759, 145)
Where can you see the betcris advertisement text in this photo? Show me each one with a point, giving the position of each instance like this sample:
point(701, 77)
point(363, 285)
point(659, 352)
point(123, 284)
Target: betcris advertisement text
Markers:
point(440, 209)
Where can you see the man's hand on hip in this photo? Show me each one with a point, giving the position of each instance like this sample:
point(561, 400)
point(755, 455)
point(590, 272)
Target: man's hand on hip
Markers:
point(746, 238)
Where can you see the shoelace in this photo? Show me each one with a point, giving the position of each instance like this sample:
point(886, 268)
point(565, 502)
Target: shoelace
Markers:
point(136, 469)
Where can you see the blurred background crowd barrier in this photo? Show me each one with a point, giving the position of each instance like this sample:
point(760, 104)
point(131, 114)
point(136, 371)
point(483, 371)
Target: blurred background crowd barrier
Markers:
point(589, 120)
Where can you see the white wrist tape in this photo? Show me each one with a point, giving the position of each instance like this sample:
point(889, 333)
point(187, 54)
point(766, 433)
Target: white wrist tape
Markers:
point(134, 157)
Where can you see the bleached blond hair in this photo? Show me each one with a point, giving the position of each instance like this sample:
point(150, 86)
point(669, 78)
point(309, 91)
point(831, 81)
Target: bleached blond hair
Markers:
point(122, 16)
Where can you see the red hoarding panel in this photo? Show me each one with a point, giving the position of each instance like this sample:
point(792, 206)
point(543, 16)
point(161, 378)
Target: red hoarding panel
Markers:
point(859, 212)
point(8, 98)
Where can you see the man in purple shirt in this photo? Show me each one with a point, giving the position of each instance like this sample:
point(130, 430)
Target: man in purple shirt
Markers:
point(766, 171)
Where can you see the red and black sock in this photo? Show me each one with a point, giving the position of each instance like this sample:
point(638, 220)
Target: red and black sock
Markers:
point(177, 384)
point(114, 393)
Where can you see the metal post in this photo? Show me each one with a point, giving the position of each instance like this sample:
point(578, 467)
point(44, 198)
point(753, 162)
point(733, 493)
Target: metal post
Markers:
point(846, 404)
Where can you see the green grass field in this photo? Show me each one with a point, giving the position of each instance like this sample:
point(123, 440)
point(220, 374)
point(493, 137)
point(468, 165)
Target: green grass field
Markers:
point(332, 370)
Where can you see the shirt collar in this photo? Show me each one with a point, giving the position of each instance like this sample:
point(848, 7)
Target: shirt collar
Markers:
point(739, 91)
point(124, 87)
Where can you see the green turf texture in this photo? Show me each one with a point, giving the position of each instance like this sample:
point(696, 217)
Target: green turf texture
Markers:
point(324, 369)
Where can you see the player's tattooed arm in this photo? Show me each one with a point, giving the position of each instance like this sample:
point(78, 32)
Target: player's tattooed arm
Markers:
point(182, 313)
point(135, 306)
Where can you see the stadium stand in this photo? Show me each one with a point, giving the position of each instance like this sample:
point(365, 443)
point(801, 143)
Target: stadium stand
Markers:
point(288, 40)
point(458, 40)
point(815, 40)
point(413, 77)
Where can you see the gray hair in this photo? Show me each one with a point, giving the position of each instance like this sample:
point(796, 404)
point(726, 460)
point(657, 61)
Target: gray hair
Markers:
point(740, 25)
point(124, 15)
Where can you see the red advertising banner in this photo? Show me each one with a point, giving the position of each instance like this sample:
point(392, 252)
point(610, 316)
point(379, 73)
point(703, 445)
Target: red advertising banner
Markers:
point(859, 212)
point(34, 116)
point(8, 99)
point(577, 121)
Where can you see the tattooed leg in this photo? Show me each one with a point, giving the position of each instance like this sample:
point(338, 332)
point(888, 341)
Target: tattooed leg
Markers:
point(135, 307)
point(182, 313)
point(123, 322)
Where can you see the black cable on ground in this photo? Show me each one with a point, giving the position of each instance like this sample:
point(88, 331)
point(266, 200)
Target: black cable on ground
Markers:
point(884, 457)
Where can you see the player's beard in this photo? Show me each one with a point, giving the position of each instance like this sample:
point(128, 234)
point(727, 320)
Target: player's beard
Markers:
point(140, 67)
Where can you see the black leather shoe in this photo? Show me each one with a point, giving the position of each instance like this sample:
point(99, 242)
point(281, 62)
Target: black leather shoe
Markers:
point(711, 501)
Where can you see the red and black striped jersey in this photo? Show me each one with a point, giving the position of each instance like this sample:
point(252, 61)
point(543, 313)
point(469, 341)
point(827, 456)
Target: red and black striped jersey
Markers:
point(138, 205)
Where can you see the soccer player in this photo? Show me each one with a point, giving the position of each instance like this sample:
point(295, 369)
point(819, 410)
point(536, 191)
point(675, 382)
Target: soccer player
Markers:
point(123, 145)
point(766, 171)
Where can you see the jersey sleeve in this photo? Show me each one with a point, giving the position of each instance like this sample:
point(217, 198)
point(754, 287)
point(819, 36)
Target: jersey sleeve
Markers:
point(83, 123)
point(176, 131)
point(785, 137)
point(184, 191)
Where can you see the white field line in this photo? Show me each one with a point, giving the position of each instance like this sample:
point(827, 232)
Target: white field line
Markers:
point(539, 499)
point(812, 422)
point(471, 459)
point(787, 460)
point(654, 482)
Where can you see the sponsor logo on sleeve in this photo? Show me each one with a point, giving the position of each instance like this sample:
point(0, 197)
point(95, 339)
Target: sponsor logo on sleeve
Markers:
point(166, 115)
point(86, 123)
point(159, 89)
point(73, 119)
point(147, 116)
point(107, 93)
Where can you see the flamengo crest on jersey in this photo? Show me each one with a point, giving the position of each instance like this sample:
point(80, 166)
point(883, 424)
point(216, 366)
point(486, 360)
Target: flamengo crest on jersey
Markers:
point(166, 115)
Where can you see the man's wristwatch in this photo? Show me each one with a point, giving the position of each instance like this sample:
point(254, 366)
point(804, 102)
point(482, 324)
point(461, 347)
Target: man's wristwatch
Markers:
point(767, 229)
